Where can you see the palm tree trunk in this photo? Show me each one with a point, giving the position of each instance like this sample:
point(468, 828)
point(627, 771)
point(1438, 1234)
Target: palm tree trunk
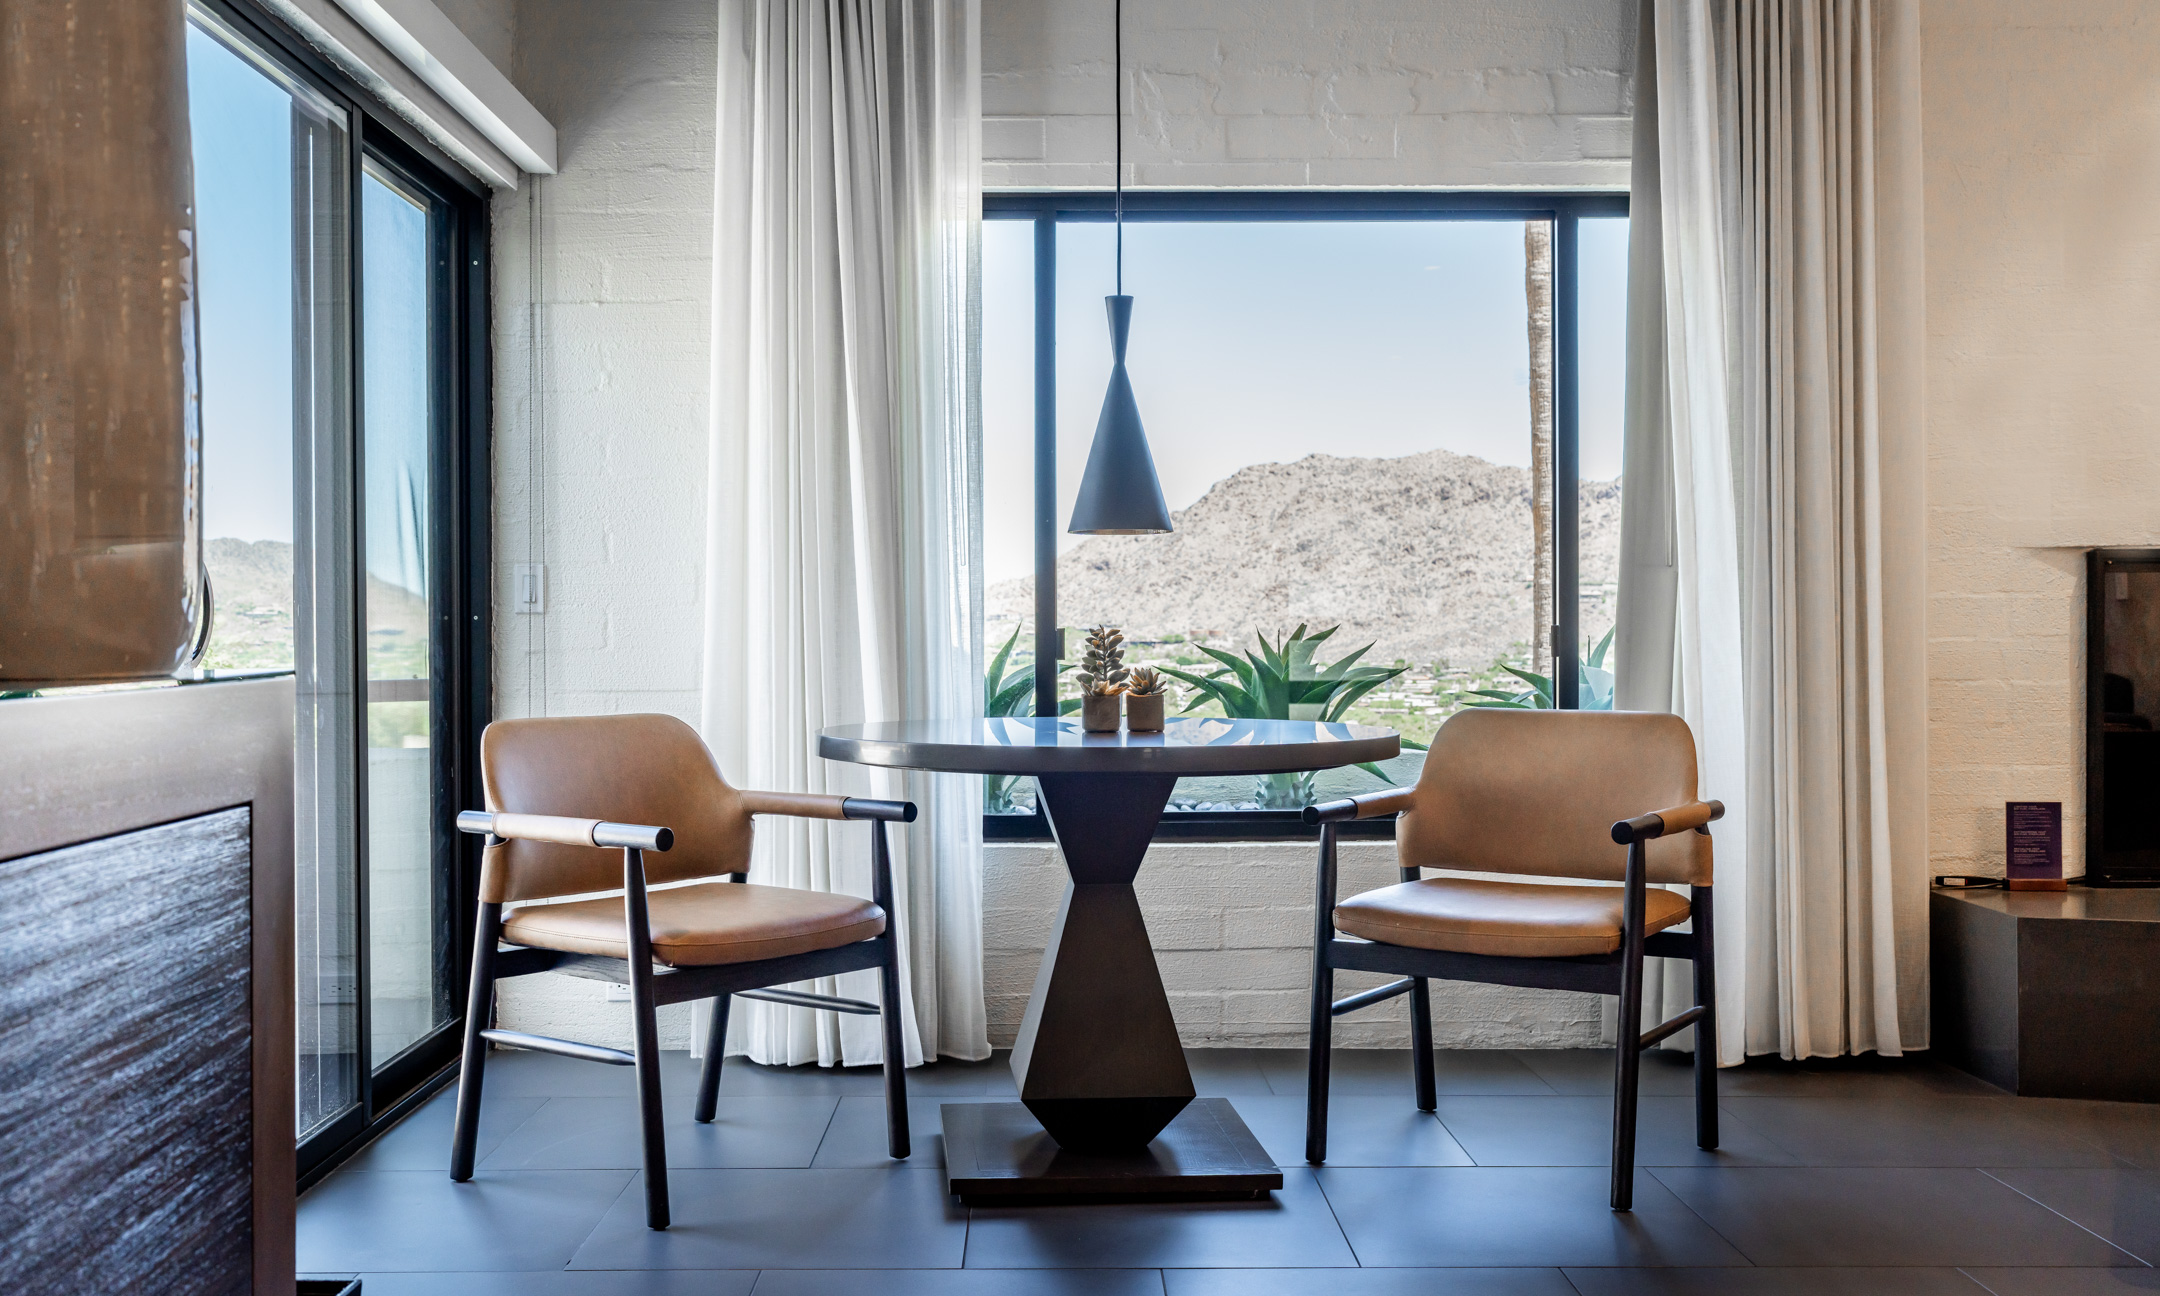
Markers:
point(1538, 290)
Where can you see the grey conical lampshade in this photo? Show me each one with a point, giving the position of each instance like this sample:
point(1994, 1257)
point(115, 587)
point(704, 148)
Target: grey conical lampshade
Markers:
point(1119, 494)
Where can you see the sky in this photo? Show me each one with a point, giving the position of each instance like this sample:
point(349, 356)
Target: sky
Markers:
point(1257, 342)
point(242, 128)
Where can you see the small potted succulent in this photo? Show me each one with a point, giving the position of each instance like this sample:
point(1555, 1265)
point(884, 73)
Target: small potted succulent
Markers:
point(1102, 679)
point(1146, 689)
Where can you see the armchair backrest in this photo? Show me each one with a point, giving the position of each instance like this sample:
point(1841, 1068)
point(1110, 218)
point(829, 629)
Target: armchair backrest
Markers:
point(638, 769)
point(1538, 792)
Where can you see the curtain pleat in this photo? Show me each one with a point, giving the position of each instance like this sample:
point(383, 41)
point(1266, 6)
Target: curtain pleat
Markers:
point(842, 572)
point(1788, 275)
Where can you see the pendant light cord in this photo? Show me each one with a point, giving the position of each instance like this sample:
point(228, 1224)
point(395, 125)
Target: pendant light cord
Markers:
point(1117, 88)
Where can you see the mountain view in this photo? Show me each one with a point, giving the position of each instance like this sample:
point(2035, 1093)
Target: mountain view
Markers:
point(252, 585)
point(1426, 556)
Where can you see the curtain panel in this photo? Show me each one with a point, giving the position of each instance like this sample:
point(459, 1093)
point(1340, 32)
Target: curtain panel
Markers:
point(842, 574)
point(1772, 580)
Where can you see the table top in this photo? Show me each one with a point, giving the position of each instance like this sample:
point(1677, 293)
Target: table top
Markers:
point(2079, 903)
point(1042, 745)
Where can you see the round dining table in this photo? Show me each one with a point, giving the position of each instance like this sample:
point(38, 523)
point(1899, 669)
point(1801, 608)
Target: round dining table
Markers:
point(1107, 1106)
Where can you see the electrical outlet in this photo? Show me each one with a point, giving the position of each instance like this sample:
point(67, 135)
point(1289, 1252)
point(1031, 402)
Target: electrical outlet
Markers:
point(617, 993)
point(528, 589)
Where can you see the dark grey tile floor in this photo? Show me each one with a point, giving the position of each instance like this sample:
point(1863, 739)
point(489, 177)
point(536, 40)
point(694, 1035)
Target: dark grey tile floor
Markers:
point(1874, 1176)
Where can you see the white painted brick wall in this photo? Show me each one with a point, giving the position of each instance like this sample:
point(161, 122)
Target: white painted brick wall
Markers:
point(1232, 927)
point(1291, 93)
point(601, 393)
point(601, 371)
point(2043, 166)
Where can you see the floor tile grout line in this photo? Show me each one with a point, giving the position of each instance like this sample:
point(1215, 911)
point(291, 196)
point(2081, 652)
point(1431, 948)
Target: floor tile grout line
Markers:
point(832, 1118)
point(1330, 1203)
point(2052, 1211)
point(1752, 1262)
point(1725, 1113)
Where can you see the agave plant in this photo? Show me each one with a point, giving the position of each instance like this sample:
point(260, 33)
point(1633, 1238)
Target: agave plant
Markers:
point(1009, 695)
point(1594, 686)
point(1283, 682)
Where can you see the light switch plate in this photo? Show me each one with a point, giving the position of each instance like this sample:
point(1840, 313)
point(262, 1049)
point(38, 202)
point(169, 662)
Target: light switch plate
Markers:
point(528, 589)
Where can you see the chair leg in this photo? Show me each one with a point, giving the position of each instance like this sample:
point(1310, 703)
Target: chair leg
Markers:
point(1320, 1037)
point(896, 1112)
point(708, 1090)
point(1706, 1037)
point(645, 1032)
point(465, 1134)
point(1421, 1046)
point(1627, 1048)
point(1319, 1043)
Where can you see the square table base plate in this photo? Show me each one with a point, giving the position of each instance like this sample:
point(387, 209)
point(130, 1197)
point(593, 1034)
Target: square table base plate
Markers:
point(997, 1154)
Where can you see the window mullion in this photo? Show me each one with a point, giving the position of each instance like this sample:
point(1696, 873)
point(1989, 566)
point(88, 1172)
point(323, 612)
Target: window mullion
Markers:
point(1567, 467)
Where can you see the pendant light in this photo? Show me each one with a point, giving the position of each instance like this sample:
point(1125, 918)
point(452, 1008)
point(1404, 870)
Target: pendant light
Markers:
point(1119, 494)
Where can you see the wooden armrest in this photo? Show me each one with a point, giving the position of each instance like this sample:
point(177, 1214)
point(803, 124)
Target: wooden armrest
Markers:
point(1368, 806)
point(798, 805)
point(1695, 814)
point(813, 805)
point(566, 831)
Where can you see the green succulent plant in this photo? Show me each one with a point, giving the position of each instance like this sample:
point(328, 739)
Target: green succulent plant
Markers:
point(1007, 695)
point(1146, 681)
point(1594, 686)
point(1279, 682)
point(1102, 663)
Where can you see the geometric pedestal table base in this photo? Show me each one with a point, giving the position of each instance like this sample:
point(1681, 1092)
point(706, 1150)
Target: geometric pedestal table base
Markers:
point(1098, 1059)
point(1106, 1100)
point(997, 1154)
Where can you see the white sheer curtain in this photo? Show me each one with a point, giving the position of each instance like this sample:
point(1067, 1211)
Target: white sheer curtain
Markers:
point(843, 572)
point(1772, 546)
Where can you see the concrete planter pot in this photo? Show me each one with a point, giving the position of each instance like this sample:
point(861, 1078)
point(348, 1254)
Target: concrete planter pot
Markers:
point(1099, 713)
point(1144, 712)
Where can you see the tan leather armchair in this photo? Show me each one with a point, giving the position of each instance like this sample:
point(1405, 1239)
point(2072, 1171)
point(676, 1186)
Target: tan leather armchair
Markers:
point(656, 809)
point(1604, 796)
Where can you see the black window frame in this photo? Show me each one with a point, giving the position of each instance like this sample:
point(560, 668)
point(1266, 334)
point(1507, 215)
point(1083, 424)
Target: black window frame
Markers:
point(461, 661)
point(1046, 210)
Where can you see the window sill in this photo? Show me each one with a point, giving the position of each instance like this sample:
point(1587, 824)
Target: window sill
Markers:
point(1204, 826)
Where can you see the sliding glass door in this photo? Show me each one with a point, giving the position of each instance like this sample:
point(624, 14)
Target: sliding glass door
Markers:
point(410, 906)
point(344, 416)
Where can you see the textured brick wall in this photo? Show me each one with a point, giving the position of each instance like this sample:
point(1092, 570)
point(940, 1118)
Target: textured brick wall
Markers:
point(1311, 93)
point(1232, 927)
point(2043, 171)
point(602, 354)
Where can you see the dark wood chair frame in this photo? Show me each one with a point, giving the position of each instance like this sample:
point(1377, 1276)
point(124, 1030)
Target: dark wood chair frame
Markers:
point(1618, 973)
point(651, 987)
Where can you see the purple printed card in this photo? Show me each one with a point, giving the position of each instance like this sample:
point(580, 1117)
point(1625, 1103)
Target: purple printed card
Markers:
point(2032, 846)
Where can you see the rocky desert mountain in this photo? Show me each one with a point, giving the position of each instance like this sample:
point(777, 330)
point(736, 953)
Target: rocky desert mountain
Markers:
point(252, 583)
point(1427, 556)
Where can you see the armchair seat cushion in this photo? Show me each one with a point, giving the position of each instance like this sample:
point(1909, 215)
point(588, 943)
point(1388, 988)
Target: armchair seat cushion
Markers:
point(1512, 919)
point(703, 925)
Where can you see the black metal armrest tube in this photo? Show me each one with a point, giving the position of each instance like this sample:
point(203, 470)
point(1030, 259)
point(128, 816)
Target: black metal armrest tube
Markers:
point(1698, 815)
point(567, 831)
point(891, 811)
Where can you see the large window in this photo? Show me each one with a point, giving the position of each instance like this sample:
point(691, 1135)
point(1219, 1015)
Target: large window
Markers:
point(344, 450)
point(1393, 419)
